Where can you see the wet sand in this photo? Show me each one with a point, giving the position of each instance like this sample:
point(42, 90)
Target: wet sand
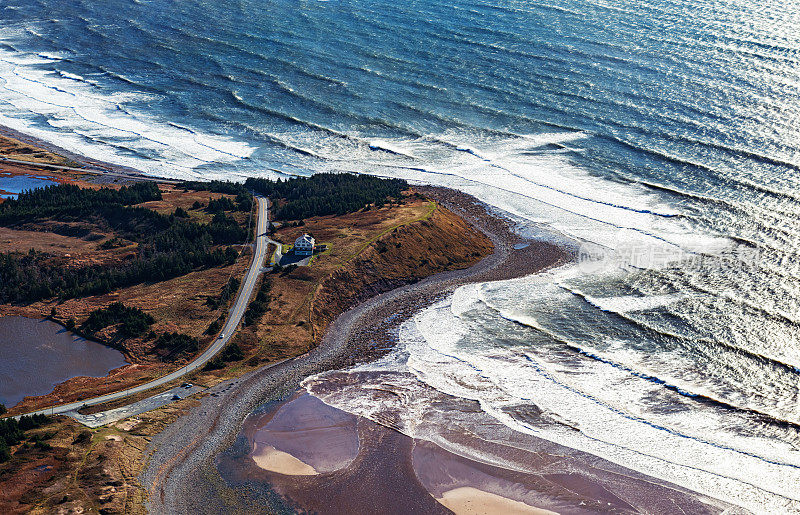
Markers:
point(307, 435)
point(392, 473)
point(471, 501)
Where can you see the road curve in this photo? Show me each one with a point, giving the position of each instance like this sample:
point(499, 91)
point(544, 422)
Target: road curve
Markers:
point(234, 317)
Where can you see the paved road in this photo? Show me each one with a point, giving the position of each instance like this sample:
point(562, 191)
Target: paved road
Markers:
point(234, 317)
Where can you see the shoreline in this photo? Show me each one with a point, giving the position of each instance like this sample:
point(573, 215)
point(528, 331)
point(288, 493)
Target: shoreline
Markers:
point(181, 459)
point(84, 164)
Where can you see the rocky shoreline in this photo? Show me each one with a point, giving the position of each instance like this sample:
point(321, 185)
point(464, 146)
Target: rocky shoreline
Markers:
point(181, 476)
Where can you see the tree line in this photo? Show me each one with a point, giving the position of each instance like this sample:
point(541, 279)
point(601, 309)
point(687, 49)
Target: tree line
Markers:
point(227, 187)
point(326, 193)
point(69, 200)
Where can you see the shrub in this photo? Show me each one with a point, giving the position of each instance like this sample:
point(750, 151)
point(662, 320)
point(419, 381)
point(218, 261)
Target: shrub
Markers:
point(176, 343)
point(12, 432)
point(220, 204)
point(5, 453)
point(260, 304)
point(232, 352)
point(228, 291)
point(83, 436)
point(133, 321)
point(214, 327)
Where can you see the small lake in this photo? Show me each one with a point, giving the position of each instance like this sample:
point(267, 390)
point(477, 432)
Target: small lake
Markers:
point(36, 355)
point(12, 185)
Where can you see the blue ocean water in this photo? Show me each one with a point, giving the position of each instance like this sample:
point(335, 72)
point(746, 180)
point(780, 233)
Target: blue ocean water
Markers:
point(661, 136)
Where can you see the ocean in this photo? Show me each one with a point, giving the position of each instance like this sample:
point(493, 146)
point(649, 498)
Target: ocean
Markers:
point(659, 139)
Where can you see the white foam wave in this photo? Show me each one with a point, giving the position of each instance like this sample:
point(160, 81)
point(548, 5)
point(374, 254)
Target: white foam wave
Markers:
point(541, 188)
point(446, 348)
point(72, 76)
point(93, 122)
point(630, 303)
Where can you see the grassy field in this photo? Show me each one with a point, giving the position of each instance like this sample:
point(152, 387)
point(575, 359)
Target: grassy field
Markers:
point(13, 148)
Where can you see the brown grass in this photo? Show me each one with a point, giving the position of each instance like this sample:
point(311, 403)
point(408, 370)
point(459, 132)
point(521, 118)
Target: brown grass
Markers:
point(368, 252)
point(15, 149)
point(75, 476)
point(77, 250)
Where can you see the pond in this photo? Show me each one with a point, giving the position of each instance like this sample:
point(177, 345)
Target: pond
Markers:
point(36, 355)
point(12, 185)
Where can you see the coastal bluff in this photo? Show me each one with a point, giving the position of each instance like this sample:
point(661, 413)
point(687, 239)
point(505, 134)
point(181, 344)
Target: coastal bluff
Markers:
point(442, 241)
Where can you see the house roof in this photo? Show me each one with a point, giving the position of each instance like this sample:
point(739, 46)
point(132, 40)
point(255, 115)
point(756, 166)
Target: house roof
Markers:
point(304, 239)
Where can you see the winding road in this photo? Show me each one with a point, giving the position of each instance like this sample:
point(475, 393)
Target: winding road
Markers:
point(234, 317)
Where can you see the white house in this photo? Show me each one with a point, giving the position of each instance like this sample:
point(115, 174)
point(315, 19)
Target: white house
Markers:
point(304, 245)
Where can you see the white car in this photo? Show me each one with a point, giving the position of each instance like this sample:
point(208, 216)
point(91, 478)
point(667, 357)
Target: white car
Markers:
point(221, 335)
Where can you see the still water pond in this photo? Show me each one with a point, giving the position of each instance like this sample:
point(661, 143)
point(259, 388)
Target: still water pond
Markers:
point(15, 184)
point(36, 355)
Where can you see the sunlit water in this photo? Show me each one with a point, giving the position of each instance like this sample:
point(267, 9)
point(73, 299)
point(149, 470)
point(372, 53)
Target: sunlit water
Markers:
point(660, 134)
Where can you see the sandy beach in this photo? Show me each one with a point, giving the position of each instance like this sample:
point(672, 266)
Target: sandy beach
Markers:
point(471, 501)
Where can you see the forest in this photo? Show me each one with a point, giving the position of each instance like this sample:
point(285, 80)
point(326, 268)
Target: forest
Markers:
point(69, 202)
point(168, 246)
point(326, 193)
